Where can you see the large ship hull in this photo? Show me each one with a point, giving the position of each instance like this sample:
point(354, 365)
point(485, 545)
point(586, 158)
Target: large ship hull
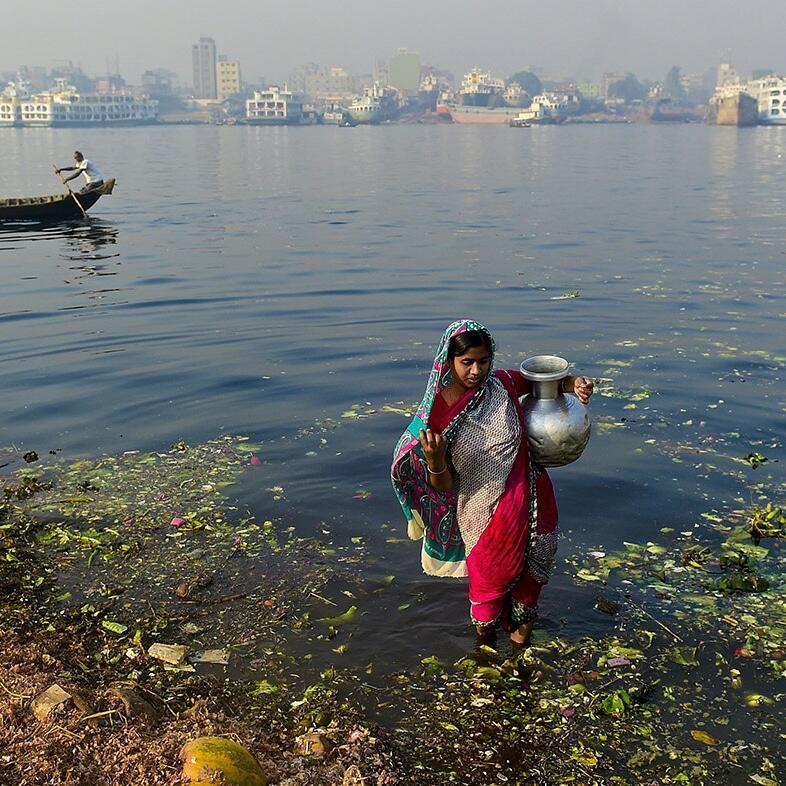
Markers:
point(86, 123)
point(739, 110)
point(478, 115)
point(366, 117)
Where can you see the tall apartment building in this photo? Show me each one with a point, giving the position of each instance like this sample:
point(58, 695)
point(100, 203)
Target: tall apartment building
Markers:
point(203, 55)
point(227, 78)
point(325, 84)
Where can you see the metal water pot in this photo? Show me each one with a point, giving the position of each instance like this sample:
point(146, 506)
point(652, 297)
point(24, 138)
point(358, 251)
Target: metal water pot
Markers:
point(558, 424)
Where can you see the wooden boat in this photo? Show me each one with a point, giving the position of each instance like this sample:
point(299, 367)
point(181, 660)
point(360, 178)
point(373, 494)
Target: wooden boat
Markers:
point(55, 207)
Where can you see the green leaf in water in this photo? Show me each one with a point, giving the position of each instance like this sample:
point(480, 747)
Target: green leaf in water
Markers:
point(341, 619)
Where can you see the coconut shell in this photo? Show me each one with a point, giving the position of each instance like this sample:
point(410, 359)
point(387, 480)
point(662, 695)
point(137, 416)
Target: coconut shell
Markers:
point(204, 757)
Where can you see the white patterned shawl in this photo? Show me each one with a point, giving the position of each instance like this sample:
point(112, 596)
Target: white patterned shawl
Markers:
point(483, 454)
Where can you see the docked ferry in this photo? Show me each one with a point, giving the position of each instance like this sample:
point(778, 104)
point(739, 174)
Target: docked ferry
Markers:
point(377, 103)
point(274, 107)
point(65, 106)
point(770, 92)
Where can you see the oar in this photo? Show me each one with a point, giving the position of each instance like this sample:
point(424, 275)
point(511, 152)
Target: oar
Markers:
point(84, 212)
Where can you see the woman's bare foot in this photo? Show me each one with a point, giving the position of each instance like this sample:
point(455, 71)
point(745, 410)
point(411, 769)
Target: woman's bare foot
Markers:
point(486, 634)
point(520, 637)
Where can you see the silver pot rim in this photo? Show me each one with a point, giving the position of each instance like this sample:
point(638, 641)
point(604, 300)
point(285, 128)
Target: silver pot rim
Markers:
point(554, 368)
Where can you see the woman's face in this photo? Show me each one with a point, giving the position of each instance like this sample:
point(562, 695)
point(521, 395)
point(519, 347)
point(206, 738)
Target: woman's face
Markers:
point(470, 369)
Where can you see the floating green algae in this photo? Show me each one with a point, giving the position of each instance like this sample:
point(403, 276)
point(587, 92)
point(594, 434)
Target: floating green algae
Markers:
point(149, 544)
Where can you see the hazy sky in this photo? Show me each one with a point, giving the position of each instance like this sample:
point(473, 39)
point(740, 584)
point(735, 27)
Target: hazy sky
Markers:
point(565, 37)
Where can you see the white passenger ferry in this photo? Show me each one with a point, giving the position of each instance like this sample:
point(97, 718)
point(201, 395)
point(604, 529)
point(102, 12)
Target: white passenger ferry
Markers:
point(65, 106)
point(275, 106)
point(770, 92)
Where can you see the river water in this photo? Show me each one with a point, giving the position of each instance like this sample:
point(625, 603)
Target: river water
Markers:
point(277, 282)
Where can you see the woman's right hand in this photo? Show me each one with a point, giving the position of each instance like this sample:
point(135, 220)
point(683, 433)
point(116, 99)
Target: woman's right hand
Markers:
point(435, 449)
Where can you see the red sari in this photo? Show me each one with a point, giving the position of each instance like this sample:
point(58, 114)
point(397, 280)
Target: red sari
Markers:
point(512, 559)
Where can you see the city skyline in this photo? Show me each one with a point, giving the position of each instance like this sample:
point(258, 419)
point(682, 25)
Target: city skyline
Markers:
point(567, 39)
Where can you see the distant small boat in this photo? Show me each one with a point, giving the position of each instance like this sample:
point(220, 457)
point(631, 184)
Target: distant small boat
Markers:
point(55, 207)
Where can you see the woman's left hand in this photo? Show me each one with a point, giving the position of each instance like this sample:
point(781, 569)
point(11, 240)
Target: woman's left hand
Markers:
point(583, 388)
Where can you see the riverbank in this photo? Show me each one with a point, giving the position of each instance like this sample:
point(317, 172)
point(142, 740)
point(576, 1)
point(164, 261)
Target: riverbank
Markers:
point(98, 575)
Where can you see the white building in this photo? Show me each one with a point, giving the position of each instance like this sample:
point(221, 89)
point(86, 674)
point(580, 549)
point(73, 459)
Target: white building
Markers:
point(274, 106)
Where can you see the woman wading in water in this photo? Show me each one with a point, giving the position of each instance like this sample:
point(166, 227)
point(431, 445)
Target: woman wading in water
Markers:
point(463, 476)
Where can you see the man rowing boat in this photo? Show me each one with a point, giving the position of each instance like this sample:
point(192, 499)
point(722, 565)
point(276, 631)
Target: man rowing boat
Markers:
point(93, 178)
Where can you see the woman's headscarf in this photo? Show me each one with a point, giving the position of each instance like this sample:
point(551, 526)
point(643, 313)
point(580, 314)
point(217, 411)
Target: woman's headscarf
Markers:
point(431, 514)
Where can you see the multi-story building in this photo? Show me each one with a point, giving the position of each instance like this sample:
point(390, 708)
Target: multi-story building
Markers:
point(331, 85)
point(274, 106)
point(203, 56)
point(227, 78)
point(404, 71)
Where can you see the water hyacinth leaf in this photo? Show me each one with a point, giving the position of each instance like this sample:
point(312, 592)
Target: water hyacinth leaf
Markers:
point(684, 656)
point(487, 673)
point(756, 700)
point(763, 780)
point(341, 619)
point(246, 447)
point(263, 688)
point(702, 736)
point(742, 582)
point(585, 758)
point(586, 575)
point(616, 703)
point(114, 627)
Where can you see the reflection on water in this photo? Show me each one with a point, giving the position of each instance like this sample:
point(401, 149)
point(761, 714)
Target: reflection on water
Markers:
point(86, 245)
point(83, 237)
point(86, 242)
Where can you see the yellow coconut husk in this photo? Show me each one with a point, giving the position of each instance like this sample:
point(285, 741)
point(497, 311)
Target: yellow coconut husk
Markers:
point(204, 757)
